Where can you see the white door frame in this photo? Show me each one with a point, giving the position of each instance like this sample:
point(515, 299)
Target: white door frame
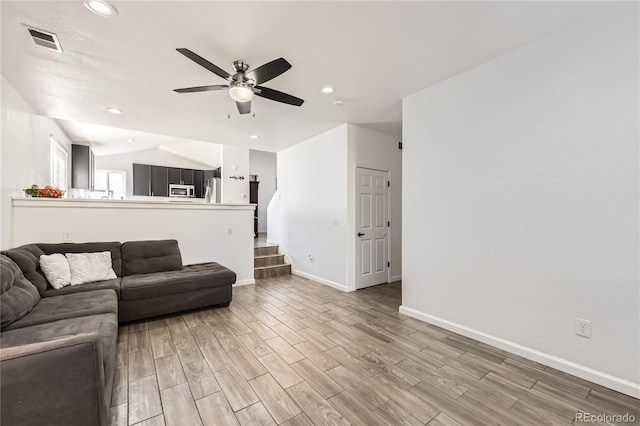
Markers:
point(354, 221)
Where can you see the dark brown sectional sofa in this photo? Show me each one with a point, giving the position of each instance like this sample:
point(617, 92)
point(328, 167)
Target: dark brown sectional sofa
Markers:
point(58, 346)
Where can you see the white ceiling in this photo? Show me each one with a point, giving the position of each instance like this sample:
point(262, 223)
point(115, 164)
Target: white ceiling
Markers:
point(374, 53)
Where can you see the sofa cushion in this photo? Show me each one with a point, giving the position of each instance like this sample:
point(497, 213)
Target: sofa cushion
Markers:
point(64, 248)
point(191, 277)
point(17, 295)
point(106, 325)
point(76, 305)
point(146, 257)
point(98, 285)
point(27, 257)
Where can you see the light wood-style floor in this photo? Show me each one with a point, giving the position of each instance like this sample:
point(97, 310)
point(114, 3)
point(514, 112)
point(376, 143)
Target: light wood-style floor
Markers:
point(293, 352)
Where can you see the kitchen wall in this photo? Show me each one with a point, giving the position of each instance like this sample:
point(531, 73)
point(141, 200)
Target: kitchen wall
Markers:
point(263, 164)
point(520, 200)
point(235, 162)
point(124, 162)
point(308, 214)
point(25, 152)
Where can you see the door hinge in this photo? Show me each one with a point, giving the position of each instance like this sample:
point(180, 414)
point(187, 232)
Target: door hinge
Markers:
point(388, 183)
point(388, 264)
point(400, 145)
point(388, 223)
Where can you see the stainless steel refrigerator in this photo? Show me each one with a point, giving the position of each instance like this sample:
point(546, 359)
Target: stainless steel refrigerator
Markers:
point(213, 190)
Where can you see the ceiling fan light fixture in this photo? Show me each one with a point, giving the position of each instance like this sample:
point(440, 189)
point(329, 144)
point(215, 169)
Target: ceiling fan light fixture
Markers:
point(100, 8)
point(114, 110)
point(241, 93)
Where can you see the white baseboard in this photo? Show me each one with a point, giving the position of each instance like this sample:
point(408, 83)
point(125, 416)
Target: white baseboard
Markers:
point(396, 278)
point(244, 282)
point(335, 285)
point(604, 379)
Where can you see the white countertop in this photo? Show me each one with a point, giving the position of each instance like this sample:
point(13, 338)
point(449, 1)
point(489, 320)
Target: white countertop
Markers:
point(131, 204)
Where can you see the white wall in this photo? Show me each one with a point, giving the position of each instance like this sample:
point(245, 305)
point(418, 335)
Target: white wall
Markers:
point(520, 200)
point(154, 156)
point(25, 152)
point(308, 214)
point(235, 162)
point(201, 230)
point(263, 164)
point(375, 150)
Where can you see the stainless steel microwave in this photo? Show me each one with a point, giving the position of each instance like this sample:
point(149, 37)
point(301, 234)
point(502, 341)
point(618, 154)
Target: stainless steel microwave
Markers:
point(183, 191)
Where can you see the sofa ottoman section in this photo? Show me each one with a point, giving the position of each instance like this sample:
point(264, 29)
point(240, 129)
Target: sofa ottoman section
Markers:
point(155, 282)
point(216, 297)
point(159, 293)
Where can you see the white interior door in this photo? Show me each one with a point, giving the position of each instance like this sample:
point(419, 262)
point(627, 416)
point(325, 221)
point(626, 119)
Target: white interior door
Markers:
point(371, 227)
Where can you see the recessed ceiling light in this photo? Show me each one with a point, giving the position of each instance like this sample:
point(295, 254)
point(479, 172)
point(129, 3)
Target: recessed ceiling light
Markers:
point(338, 102)
point(327, 89)
point(100, 8)
point(114, 110)
point(130, 140)
point(254, 136)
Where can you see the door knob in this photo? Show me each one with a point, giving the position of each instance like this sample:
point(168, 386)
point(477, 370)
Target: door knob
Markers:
point(360, 234)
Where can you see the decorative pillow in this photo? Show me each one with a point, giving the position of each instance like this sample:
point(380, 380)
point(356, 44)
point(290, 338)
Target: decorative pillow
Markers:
point(90, 267)
point(56, 268)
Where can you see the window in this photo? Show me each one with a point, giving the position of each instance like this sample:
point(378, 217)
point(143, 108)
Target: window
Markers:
point(58, 165)
point(111, 183)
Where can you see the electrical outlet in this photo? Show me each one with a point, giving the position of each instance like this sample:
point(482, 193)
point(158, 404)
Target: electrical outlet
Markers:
point(229, 231)
point(583, 328)
point(67, 236)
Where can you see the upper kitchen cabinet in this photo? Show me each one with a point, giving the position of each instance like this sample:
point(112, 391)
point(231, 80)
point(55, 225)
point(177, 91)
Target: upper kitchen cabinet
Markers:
point(141, 179)
point(82, 167)
point(150, 180)
point(181, 176)
point(159, 181)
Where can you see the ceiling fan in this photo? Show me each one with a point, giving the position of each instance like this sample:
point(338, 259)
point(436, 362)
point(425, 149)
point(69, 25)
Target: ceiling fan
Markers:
point(243, 85)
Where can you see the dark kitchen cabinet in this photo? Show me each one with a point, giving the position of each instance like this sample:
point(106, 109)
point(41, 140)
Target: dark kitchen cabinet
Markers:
point(152, 180)
point(181, 176)
point(253, 199)
point(198, 177)
point(159, 181)
point(175, 177)
point(141, 179)
point(188, 176)
point(82, 167)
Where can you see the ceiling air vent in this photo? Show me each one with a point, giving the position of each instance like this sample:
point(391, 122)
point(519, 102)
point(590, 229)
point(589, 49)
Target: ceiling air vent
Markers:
point(45, 39)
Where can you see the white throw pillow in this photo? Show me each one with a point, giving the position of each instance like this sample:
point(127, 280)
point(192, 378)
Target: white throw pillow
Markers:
point(56, 268)
point(90, 267)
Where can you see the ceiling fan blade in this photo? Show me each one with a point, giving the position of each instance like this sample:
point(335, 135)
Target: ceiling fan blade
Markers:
point(204, 63)
point(278, 96)
point(244, 107)
point(269, 71)
point(202, 88)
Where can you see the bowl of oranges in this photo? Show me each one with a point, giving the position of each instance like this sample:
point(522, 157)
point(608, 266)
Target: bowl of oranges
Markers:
point(49, 191)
